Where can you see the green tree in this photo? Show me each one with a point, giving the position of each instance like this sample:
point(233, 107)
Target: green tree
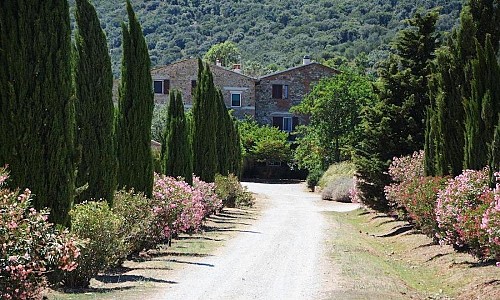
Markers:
point(235, 149)
point(94, 107)
point(394, 126)
point(483, 106)
point(227, 53)
point(223, 129)
point(334, 106)
point(204, 127)
point(135, 104)
point(37, 123)
point(178, 158)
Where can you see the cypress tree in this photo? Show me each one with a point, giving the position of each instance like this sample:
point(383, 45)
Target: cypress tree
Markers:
point(494, 154)
point(223, 135)
point(204, 126)
point(94, 107)
point(37, 123)
point(135, 104)
point(482, 107)
point(235, 157)
point(177, 145)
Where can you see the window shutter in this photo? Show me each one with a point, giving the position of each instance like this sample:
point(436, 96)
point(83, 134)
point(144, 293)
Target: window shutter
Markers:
point(166, 86)
point(285, 92)
point(278, 122)
point(295, 122)
point(277, 91)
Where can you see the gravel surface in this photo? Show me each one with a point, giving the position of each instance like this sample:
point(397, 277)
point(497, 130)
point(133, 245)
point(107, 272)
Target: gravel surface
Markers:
point(280, 257)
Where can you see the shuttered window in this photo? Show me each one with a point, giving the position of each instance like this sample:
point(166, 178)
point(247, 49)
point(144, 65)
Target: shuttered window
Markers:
point(277, 91)
point(166, 86)
point(278, 122)
point(158, 86)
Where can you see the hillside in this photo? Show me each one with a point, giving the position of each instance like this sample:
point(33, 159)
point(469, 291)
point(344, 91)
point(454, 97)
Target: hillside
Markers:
point(268, 32)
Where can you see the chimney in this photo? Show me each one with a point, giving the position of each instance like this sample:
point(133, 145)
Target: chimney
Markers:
point(306, 60)
point(218, 63)
point(237, 68)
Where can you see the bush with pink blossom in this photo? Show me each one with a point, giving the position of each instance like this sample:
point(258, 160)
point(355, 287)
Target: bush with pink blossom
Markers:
point(490, 225)
point(213, 203)
point(459, 211)
point(413, 195)
point(30, 246)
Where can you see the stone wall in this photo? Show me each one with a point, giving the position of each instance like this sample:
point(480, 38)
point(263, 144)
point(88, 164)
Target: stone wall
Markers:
point(299, 80)
point(182, 74)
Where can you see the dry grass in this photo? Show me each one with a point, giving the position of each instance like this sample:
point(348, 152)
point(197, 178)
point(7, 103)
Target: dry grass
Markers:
point(379, 262)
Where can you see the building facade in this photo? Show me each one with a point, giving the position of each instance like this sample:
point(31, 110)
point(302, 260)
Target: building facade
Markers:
point(268, 99)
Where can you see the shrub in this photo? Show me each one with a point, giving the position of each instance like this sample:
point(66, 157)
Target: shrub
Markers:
point(211, 201)
point(99, 226)
point(313, 178)
point(490, 224)
point(335, 171)
point(30, 247)
point(460, 208)
point(177, 207)
point(232, 193)
point(136, 211)
point(338, 189)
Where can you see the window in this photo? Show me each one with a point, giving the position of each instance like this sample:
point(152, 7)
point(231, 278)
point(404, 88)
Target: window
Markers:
point(277, 91)
point(161, 86)
point(280, 91)
point(285, 92)
point(193, 86)
point(287, 124)
point(235, 99)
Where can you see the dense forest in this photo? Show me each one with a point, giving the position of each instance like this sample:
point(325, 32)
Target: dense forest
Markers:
point(268, 33)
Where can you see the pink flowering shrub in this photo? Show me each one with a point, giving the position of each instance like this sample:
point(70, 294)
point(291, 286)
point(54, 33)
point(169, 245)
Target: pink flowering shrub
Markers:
point(178, 207)
point(30, 247)
point(490, 224)
point(459, 211)
point(412, 194)
point(212, 202)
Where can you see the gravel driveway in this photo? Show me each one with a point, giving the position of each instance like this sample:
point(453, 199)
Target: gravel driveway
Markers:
point(280, 257)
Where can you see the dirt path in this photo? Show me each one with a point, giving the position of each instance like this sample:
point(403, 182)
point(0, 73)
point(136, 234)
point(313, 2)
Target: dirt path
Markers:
point(280, 257)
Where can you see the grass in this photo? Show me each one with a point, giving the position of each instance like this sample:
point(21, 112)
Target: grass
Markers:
point(150, 272)
point(337, 171)
point(404, 266)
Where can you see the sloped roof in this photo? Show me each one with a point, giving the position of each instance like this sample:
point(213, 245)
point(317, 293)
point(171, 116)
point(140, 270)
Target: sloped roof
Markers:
point(299, 67)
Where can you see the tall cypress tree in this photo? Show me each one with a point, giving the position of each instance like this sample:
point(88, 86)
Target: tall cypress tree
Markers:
point(235, 157)
point(223, 135)
point(483, 106)
point(37, 123)
point(204, 126)
point(135, 104)
point(451, 88)
point(94, 107)
point(177, 145)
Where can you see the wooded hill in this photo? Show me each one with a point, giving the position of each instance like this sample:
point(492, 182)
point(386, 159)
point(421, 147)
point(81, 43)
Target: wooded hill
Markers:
point(268, 32)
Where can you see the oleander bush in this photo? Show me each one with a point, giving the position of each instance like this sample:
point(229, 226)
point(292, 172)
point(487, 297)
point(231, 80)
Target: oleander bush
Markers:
point(212, 202)
point(30, 247)
point(137, 230)
point(232, 193)
point(490, 225)
point(96, 223)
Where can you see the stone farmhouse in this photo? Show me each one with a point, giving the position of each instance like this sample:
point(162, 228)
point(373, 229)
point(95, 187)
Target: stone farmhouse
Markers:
point(268, 99)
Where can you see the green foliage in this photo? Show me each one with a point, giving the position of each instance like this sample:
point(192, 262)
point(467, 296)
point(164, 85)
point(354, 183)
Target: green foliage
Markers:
point(338, 189)
point(264, 143)
point(233, 194)
point(159, 122)
point(177, 152)
point(227, 53)
point(37, 123)
point(313, 178)
point(98, 225)
point(94, 108)
point(136, 103)
point(137, 230)
point(224, 130)
point(395, 125)
point(204, 127)
point(324, 28)
point(483, 107)
point(337, 171)
point(334, 106)
point(235, 149)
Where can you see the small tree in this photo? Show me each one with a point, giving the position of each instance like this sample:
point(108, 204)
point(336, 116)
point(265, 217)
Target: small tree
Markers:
point(227, 53)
